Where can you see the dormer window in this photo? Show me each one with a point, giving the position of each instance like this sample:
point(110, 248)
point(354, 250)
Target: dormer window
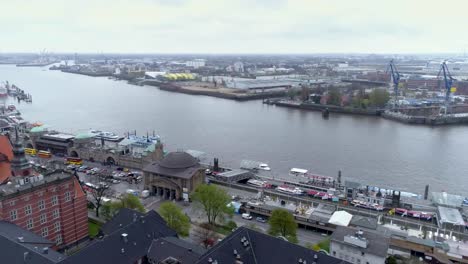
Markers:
point(26, 180)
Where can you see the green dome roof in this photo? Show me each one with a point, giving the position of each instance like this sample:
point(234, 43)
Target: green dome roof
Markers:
point(38, 129)
point(84, 136)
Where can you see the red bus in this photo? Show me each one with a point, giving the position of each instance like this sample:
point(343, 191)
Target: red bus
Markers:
point(44, 154)
point(74, 161)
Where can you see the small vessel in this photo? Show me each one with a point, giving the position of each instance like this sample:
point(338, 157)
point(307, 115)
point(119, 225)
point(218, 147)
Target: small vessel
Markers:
point(289, 190)
point(312, 178)
point(414, 214)
point(264, 166)
point(325, 113)
point(258, 183)
point(367, 205)
point(109, 136)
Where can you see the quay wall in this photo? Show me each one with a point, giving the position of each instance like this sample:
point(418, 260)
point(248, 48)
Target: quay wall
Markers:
point(237, 97)
point(331, 108)
point(385, 218)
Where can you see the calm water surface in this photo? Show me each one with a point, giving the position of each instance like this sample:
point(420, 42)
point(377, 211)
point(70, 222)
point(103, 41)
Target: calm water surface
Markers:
point(367, 149)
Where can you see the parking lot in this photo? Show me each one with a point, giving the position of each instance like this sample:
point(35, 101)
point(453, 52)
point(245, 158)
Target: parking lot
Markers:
point(95, 173)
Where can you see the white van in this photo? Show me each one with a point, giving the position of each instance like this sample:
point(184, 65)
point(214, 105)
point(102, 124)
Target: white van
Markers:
point(247, 216)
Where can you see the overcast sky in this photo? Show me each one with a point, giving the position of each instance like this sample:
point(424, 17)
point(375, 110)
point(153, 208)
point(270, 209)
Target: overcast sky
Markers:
point(235, 26)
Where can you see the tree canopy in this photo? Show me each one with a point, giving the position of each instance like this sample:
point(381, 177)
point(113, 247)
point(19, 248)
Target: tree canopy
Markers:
point(379, 97)
point(334, 97)
point(282, 223)
point(175, 218)
point(129, 201)
point(214, 201)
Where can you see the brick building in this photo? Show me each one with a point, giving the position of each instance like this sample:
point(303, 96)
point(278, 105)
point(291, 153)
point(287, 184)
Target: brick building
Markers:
point(52, 205)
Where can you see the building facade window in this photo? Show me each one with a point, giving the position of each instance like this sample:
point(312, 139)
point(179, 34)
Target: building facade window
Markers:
point(57, 227)
point(58, 239)
point(29, 223)
point(43, 218)
point(67, 197)
point(13, 215)
point(45, 231)
point(41, 205)
point(54, 200)
point(55, 213)
point(12, 203)
point(28, 209)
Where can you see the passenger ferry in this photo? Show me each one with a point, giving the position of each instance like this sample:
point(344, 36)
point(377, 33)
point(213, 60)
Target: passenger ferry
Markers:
point(257, 183)
point(414, 214)
point(264, 166)
point(98, 134)
point(290, 190)
point(296, 172)
point(367, 205)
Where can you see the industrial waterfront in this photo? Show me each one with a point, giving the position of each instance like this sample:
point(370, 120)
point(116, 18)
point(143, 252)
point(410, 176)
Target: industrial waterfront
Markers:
point(367, 149)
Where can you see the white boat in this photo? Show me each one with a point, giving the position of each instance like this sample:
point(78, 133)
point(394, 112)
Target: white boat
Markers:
point(296, 172)
point(264, 166)
point(257, 183)
point(290, 190)
point(105, 135)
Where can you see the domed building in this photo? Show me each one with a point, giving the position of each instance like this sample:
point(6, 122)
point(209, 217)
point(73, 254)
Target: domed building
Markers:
point(174, 177)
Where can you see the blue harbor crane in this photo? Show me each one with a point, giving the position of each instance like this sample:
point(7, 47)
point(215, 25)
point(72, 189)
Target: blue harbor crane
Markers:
point(395, 75)
point(448, 81)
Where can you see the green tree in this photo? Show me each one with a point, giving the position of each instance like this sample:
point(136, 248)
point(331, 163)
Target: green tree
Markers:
point(379, 97)
point(175, 218)
point(214, 201)
point(305, 92)
point(291, 93)
point(282, 223)
point(129, 201)
point(391, 260)
point(334, 97)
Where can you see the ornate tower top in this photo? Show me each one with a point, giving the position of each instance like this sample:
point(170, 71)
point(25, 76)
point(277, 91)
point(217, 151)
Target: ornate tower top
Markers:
point(19, 165)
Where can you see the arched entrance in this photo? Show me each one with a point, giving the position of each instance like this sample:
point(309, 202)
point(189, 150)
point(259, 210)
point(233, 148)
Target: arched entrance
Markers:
point(110, 160)
point(74, 154)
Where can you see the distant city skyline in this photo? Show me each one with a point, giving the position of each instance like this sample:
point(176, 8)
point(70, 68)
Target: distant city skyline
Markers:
point(234, 27)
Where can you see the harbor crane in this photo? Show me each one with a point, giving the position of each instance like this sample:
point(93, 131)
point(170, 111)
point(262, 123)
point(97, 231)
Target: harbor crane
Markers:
point(395, 76)
point(448, 81)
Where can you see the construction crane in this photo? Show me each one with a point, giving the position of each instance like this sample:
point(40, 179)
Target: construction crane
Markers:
point(448, 81)
point(395, 75)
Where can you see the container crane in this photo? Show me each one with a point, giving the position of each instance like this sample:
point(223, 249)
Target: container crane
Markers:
point(448, 81)
point(395, 75)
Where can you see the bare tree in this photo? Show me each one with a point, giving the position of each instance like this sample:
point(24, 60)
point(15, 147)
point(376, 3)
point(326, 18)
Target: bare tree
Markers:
point(99, 191)
point(204, 235)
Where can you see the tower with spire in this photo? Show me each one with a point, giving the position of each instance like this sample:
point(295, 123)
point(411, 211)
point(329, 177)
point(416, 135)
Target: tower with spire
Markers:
point(19, 164)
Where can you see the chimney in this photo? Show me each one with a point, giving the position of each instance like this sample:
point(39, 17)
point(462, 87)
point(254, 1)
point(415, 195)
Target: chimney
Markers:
point(21, 239)
point(45, 250)
point(25, 256)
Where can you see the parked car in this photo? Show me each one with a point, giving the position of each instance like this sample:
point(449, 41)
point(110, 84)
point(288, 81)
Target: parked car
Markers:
point(261, 219)
point(247, 216)
point(208, 172)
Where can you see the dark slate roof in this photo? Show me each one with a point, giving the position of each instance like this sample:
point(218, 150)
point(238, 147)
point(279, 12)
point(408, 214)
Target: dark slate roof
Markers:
point(364, 222)
point(175, 164)
point(123, 218)
point(30, 250)
point(377, 243)
point(262, 249)
point(178, 160)
point(116, 250)
point(172, 247)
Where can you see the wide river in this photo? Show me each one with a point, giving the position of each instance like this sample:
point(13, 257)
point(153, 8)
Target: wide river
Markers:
point(367, 149)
